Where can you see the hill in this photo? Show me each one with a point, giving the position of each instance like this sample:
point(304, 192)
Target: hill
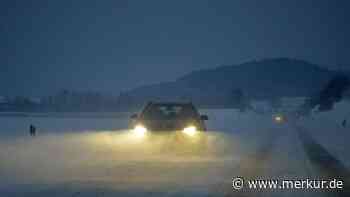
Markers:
point(264, 79)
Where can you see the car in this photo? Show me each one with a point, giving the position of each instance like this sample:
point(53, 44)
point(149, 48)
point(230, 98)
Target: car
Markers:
point(179, 120)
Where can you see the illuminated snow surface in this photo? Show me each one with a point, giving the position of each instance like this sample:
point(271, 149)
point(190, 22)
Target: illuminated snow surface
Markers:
point(99, 157)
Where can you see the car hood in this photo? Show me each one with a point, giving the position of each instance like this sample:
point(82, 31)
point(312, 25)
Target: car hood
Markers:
point(169, 125)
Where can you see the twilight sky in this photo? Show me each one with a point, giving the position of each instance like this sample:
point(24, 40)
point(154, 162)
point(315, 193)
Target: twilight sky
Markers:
point(114, 45)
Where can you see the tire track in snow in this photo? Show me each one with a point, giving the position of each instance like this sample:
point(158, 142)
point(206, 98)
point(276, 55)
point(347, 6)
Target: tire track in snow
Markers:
point(251, 166)
point(328, 165)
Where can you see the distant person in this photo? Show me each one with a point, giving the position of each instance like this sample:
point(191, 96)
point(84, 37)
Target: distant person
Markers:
point(32, 130)
point(344, 123)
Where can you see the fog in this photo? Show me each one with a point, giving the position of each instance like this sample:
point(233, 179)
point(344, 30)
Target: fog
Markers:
point(69, 158)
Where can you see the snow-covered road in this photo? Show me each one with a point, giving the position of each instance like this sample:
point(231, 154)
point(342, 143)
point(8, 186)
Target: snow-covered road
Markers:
point(68, 159)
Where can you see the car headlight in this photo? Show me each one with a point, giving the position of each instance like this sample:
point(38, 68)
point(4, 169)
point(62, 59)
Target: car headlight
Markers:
point(140, 130)
point(190, 131)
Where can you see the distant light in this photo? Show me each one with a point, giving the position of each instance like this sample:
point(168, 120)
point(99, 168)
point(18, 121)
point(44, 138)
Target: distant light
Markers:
point(278, 118)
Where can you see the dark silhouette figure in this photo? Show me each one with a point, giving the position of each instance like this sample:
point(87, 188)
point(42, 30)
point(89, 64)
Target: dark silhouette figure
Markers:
point(344, 123)
point(32, 130)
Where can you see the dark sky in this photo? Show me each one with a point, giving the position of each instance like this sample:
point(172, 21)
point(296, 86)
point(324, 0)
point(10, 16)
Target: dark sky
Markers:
point(114, 45)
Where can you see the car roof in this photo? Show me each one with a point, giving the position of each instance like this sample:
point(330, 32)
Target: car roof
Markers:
point(170, 103)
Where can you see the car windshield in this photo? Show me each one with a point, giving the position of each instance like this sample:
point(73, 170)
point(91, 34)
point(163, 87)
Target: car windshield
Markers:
point(169, 111)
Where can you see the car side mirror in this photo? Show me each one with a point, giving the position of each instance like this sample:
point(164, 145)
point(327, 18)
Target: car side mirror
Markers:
point(134, 116)
point(204, 117)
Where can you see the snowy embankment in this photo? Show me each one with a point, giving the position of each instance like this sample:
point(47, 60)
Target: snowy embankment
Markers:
point(326, 128)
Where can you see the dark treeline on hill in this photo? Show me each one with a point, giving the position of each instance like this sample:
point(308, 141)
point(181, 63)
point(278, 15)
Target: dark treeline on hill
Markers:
point(67, 101)
point(332, 93)
point(259, 80)
point(224, 86)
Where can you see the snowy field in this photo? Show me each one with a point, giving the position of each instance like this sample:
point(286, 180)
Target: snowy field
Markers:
point(100, 157)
